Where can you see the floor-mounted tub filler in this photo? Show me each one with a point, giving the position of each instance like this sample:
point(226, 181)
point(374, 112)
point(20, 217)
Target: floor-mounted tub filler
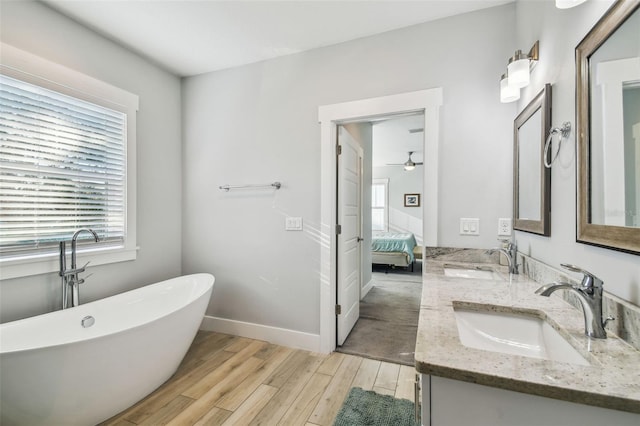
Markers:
point(82, 365)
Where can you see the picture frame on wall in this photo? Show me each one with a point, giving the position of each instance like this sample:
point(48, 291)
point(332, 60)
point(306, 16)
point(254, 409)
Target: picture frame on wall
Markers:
point(412, 200)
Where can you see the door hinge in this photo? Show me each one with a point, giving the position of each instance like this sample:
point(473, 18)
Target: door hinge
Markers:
point(338, 309)
point(338, 229)
point(339, 150)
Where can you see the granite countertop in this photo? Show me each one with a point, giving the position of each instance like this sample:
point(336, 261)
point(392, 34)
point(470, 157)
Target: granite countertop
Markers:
point(612, 380)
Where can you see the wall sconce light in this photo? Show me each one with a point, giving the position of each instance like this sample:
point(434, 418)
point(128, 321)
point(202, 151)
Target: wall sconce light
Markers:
point(566, 4)
point(508, 93)
point(518, 74)
point(518, 70)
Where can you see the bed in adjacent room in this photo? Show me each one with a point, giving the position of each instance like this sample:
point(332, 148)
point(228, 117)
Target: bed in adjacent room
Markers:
point(393, 248)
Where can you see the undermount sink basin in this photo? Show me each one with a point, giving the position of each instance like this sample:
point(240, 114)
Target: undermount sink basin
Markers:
point(514, 334)
point(477, 273)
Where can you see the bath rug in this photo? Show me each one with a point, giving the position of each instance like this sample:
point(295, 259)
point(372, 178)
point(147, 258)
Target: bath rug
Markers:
point(372, 409)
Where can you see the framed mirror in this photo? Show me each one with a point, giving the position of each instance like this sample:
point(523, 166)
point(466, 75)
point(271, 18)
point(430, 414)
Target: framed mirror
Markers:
point(608, 130)
point(531, 179)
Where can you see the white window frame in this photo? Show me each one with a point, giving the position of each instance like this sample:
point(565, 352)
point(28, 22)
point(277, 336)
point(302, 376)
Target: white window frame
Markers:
point(385, 183)
point(32, 69)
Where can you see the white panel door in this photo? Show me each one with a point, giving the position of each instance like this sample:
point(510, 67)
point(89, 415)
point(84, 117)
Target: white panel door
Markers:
point(349, 239)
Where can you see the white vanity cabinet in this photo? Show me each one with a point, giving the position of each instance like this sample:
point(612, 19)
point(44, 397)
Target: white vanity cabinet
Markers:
point(447, 402)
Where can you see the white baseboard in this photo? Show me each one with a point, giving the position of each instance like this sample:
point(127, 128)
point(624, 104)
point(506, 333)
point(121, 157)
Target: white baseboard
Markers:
point(366, 289)
point(280, 336)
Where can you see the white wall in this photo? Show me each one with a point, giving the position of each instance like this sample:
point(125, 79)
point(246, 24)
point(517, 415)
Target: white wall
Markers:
point(559, 32)
point(35, 28)
point(258, 123)
point(401, 218)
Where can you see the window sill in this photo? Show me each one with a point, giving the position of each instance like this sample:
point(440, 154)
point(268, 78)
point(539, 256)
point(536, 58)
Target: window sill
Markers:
point(18, 268)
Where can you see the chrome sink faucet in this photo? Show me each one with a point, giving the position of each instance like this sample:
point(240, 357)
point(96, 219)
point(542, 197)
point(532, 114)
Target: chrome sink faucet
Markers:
point(510, 252)
point(69, 277)
point(589, 294)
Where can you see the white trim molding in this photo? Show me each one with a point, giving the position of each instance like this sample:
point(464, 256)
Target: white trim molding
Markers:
point(279, 336)
point(427, 101)
point(366, 289)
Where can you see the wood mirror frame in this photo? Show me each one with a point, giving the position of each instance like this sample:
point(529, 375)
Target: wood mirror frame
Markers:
point(542, 224)
point(615, 237)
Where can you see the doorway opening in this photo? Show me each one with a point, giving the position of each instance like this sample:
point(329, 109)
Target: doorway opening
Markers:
point(379, 318)
point(428, 103)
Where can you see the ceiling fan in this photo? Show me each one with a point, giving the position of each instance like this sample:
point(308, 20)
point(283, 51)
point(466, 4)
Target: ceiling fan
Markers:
point(409, 164)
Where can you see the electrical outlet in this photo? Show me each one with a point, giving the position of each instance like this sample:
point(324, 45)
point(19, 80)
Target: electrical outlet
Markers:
point(504, 227)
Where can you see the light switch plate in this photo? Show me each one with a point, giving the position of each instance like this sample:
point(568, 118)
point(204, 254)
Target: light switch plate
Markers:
point(504, 226)
point(469, 226)
point(293, 224)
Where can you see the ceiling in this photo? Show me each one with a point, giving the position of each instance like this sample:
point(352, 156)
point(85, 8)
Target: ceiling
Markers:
point(393, 138)
point(189, 37)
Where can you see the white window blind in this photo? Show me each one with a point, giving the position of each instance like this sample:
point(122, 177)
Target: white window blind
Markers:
point(62, 168)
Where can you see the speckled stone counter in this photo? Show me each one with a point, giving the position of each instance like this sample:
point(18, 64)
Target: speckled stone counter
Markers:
point(612, 380)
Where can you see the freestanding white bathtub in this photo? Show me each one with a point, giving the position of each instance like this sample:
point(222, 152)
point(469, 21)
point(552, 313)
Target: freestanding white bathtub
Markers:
point(54, 371)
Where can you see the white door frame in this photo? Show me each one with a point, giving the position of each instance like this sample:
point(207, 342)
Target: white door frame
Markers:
point(427, 101)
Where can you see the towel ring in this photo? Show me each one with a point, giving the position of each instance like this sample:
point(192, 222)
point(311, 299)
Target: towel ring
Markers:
point(564, 133)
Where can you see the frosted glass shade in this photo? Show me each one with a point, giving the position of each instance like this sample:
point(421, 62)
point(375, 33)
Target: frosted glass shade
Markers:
point(518, 72)
point(508, 93)
point(566, 4)
point(409, 167)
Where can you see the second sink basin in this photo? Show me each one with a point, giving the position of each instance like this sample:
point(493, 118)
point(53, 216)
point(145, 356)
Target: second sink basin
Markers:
point(478, 273)
point(515, 334)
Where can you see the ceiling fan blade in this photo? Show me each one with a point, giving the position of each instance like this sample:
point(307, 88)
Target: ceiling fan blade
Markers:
point(407, 163)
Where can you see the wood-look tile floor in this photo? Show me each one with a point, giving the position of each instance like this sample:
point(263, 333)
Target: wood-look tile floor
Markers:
point(229, 380)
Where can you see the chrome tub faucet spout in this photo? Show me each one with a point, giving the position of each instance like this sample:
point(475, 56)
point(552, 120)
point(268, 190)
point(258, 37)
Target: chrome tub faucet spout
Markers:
point(74, 243)
point(69, 277)
point(589, 294)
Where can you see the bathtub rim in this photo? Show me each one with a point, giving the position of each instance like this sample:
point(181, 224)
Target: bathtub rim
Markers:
point(208, 288)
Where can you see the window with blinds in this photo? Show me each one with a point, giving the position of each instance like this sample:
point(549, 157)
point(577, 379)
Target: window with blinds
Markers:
point(380, 205)
point(62, 168)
